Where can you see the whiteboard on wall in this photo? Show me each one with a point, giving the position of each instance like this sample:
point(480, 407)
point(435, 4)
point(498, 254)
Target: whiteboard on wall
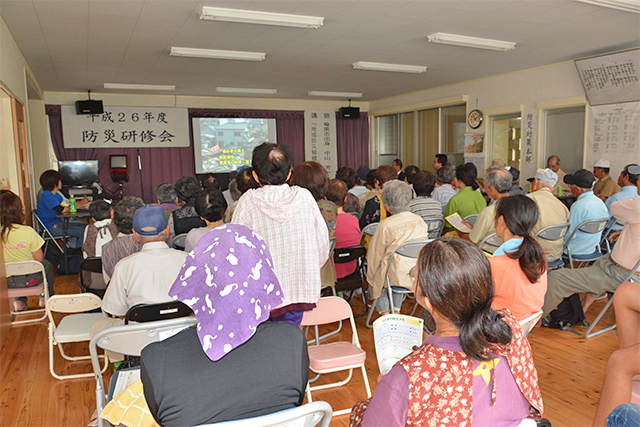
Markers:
point(612, 78)
point(613, 133)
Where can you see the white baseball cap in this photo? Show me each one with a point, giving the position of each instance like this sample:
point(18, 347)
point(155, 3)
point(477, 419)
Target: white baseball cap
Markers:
point(602, 163)
point(545, 175)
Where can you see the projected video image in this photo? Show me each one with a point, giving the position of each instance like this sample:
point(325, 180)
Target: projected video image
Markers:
point(223, 145)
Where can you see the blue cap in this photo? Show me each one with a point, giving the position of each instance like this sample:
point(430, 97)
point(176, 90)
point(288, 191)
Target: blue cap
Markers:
point(150, 220)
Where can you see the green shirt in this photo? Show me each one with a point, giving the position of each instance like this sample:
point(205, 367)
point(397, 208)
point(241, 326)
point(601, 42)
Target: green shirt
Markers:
point(466, 202)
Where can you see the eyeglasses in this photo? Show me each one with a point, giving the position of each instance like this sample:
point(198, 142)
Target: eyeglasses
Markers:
point(412, 273)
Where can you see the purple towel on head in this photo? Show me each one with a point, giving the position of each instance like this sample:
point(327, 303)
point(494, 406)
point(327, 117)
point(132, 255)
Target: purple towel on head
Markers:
point(229, 283)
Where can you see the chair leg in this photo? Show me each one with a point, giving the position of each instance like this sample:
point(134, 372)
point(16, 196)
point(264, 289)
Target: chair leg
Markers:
point(368, 323)
point(589, 333)
point(22, 322)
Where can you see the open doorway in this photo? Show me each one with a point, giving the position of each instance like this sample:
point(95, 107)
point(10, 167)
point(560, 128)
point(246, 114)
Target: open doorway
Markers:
point(507, 139)
point(564, 136)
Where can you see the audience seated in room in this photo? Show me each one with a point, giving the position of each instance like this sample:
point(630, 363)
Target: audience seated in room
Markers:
point(124, 244)
point(448, 380)
point(551, 210)
point(21, 243)
point(347, 229)
point(184, 219)
point(211, 206)
point(100, 231)
point(146, 276)
point(167, 198)
point(606, 186)
point(52, 203)
point(314, 177)
point(519, 267)
point(289, 220)
point(497, 185)
point(423, 205)
point(610, 270)
point(586, 207)
point(236, 363)
point(374, 210)
point(444, 191)
point(350, 177)
point(628, 182)
point(624, 363)
point(468, 201)
point(401, 226)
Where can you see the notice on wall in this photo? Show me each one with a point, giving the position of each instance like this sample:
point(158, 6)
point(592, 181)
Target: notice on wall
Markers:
point(320, 139)
point(613, 133)
point(529, 126)
point(126, 127)
point(474, 149)
point(611, 78)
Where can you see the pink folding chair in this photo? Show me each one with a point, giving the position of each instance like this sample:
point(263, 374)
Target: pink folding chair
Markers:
point(335, 356)
point(21, 268)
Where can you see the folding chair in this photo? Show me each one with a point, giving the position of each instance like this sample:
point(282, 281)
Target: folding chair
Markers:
point(593, 226)
point(589, 332)
point(609, 229)
point(369, 230)
point(471, 219)
point(141, 313)
point(410, 249)
point(129, 340)
point(20, 268)
point(356, 279)
point(92, 265)
point(529, 322)
point(553, 233)
point(335, 356)
point(435, 227)
point(72, 328)
point(302, 416)
point(178, 241)
point(44, 232)
point(328, 270)
point(491, 240)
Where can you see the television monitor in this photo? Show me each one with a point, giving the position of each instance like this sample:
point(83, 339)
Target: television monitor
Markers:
point(81, 172)
point(118, 162)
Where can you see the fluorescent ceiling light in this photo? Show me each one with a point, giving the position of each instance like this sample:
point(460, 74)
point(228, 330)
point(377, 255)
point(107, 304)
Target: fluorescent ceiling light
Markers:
point(626, 5)
point(264, 18)
point(217, 54)
point(122, 86)
point(458, 40)
point(378, 66)
point(347, 95)
point(246, 90)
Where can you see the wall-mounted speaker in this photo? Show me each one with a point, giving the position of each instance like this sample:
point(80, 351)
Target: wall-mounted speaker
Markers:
point(350, 112)
point(89, 106)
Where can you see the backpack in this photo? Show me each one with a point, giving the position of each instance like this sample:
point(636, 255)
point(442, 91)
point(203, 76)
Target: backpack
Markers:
point(569, 312)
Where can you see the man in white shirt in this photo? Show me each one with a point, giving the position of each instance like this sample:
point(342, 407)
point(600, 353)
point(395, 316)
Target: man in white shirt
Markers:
point(289, 220)
point(444, 191)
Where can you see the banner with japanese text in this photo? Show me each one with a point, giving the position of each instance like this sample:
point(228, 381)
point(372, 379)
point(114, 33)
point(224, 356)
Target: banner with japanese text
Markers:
point(126, 127)
point(320, 139)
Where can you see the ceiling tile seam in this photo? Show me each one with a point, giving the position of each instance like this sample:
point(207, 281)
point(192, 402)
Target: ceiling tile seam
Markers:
point(127, 47)
point(53, 64)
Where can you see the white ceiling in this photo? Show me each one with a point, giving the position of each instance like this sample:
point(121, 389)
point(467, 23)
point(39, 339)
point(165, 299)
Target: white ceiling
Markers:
point(82, 44)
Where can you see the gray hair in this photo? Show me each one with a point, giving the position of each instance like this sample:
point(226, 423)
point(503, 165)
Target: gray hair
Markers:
point(233, 189)
point(446, 174)
point(124, 211)
point(166, 193)
point(160, 237)
point(500, 179)
point(396, 196)
point(547, 183)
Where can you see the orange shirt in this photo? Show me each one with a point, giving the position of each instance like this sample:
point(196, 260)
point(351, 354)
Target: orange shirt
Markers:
point(514, 291)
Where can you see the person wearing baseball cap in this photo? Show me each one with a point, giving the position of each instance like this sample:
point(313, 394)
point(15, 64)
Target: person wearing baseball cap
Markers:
point(608, 272)
point(606, 186)
point(551, 210)
point(146, 276)
point(586, 207)
point(628, 182)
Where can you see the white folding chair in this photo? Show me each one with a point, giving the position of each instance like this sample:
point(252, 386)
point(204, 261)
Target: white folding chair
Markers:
point(471, 219)
point(20, 268)
point(410, 249)
point(179, 241)
point(553, 233)
point(589, 332)
point(435, 227)
point(302, 416)
point(593, 226)
point(491, 240)
point(529, 322)
point(129, 340)
point(73, 327)
point(335, 356)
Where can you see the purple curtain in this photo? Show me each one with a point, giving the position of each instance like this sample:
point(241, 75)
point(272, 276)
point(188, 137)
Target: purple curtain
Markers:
point(353, 141)
point(158, 164)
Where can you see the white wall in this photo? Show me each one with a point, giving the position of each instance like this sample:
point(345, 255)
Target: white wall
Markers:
point(524, 91)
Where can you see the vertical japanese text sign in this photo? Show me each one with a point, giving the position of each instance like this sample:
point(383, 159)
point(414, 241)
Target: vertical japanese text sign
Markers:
point(320, 139)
